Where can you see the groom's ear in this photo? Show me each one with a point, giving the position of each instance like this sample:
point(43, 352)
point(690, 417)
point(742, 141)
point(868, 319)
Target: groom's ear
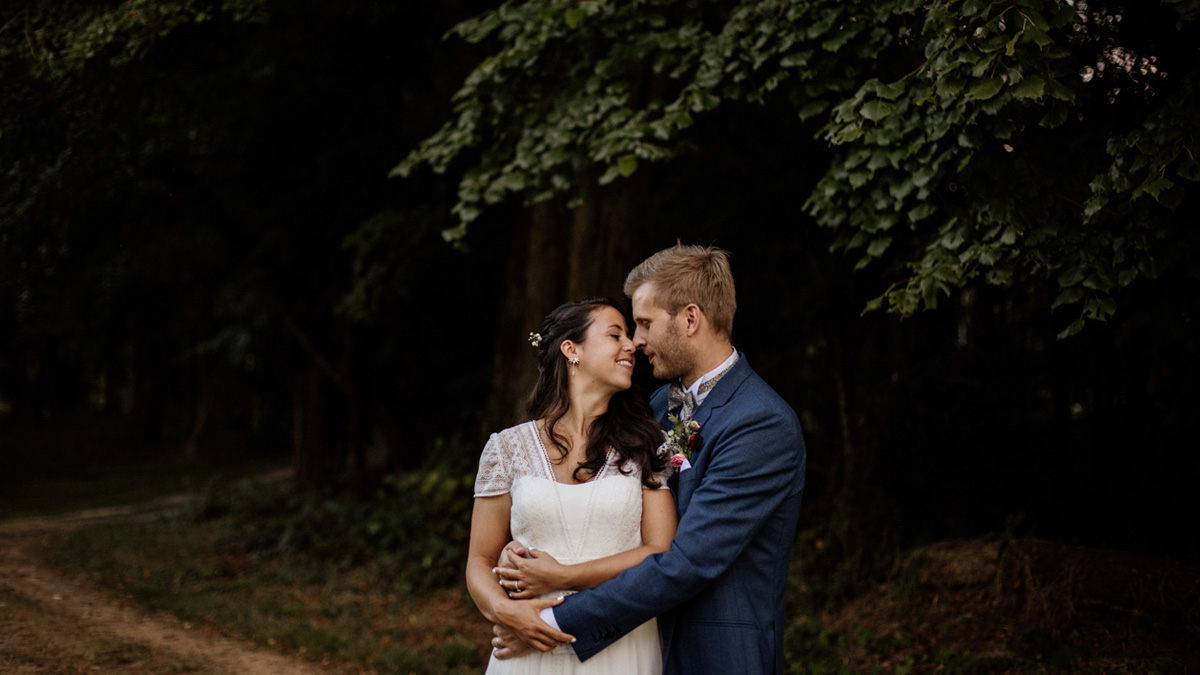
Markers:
point(694, 316)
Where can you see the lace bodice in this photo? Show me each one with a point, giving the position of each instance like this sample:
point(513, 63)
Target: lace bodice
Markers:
point(572, 522)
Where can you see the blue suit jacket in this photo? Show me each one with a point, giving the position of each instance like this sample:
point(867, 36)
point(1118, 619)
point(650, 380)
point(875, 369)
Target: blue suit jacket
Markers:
point(719, 591)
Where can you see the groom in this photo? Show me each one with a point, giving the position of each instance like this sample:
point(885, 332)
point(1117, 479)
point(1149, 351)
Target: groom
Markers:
point(719, 591)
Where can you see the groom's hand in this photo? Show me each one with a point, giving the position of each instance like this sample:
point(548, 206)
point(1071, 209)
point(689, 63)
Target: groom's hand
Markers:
point(506, 645)
point(512, 551)
point(523, 617)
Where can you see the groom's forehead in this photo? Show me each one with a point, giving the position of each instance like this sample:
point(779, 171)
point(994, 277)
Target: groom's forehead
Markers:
point(645, 299)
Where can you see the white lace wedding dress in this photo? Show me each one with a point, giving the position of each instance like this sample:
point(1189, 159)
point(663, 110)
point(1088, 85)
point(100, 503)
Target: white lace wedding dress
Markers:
point(573, 523)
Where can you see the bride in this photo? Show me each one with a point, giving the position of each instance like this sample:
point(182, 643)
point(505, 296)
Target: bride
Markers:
point(581, 485)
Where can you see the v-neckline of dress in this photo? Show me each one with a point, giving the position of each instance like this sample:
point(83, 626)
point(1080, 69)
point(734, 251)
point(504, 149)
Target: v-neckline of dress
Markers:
point(537, 432)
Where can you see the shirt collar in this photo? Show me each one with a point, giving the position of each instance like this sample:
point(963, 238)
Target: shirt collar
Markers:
point(694, 390)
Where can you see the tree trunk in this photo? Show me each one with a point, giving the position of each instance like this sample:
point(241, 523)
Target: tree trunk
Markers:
point(308, 428)
point(150, 403)
point(203, 393)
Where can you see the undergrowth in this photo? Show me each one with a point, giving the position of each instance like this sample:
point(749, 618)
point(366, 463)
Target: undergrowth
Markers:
point(417, 525)
point(372, 583)
point(377, 584)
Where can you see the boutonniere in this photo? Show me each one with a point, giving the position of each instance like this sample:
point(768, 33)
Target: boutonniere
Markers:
point(683, 438)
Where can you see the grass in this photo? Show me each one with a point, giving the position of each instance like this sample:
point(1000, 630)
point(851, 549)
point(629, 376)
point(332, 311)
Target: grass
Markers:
point(354, 614)
point(337, 581)
point(366, 610)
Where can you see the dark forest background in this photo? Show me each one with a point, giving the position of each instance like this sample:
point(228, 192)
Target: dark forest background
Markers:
point(202, 256)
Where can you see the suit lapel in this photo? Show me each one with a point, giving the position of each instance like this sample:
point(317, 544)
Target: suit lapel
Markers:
point(716, 399)
point(722, 392)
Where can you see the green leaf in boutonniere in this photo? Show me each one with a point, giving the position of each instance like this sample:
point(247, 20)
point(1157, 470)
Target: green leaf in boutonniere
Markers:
point(683, 438)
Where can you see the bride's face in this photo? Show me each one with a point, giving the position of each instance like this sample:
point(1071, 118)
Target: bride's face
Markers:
point(606, 353)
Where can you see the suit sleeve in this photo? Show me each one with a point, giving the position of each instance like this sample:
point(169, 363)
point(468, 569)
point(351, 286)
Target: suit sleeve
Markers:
point(757, 466)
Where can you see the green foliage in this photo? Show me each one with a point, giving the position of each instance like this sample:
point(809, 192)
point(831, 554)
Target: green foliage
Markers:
point(965, 136)
point(993, 73)
point(68, 38)
point(418, 522)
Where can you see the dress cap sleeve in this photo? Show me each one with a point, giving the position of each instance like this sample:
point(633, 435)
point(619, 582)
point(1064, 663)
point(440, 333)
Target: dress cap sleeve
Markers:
point(495, 470)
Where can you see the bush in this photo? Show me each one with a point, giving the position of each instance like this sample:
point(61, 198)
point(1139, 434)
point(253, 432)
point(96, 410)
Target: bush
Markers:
point(417, 524)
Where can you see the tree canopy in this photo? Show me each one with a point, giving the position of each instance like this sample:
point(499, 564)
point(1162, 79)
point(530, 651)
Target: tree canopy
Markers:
point(1049, 143)
point(199, 243)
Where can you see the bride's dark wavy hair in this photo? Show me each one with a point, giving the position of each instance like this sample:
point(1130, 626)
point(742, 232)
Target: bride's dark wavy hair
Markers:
point(628, 427)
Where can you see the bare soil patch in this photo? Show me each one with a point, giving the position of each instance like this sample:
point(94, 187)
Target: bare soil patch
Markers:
point(1027, 606)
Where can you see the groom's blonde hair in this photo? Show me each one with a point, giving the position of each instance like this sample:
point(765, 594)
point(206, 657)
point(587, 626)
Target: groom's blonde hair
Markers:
point(682, 275)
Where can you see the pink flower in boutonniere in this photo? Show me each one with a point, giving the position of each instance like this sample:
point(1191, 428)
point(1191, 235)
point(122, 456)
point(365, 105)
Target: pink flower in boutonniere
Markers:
point(682, 440)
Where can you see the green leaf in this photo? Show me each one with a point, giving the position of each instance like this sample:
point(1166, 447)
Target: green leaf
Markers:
point(947, 86)
point(952, 240)
point(891, 91)
point(921, 212)
point(930, 294)
point(797, 59)
point(813, 108)
point(848, 133)
point(627, 165)
point(1060, 91)
point(1149, 267)
point(1100, 308)
point(876, 110)
point(837, 41)
point(972, 7)
point(1068, 296)
point(985, 89)
point(858, 179)
point(1154, 186)
point(453, 234)
point(1055, 116)
point(1070, 276)
point(878, 246)
point(1030, 87)
point(1038, 36)
point(574, 16)
point(1011, 45)
point(1074, 328)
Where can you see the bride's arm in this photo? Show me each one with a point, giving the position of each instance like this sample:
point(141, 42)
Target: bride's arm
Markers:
point(489, 534)
point(541, 573)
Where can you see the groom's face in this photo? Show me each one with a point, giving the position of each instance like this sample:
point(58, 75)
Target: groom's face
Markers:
point(659, 336)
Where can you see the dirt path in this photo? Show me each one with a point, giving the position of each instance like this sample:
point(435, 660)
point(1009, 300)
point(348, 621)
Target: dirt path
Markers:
point(51, 622)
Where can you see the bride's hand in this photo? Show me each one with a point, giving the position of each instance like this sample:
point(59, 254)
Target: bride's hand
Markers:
point(533, 576)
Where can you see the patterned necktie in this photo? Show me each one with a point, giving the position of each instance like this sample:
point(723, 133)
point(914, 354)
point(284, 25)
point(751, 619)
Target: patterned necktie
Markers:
point(682, 400)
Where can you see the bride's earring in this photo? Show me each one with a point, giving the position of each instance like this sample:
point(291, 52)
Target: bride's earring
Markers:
point(574, 361)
